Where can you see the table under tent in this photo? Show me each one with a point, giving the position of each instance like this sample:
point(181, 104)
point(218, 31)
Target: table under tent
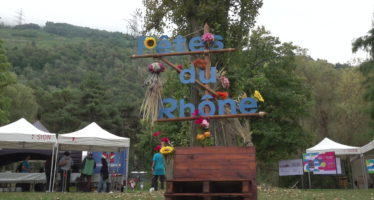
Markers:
point(346, 152)
point(94, 139)
point(22, 134)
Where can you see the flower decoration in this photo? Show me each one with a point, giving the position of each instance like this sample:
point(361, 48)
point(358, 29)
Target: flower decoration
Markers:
point(165, 139)
point(203, 135)
point(222, 95)
point(180, 67)
point(224, 82)
point(153, 97)
point(200, 63)
point(166, 150)
point(150, 42)
point(205, 124)
point(156, 133)
point(208, 37)
point(157, 148)
point(258, 96)
point(156, 67)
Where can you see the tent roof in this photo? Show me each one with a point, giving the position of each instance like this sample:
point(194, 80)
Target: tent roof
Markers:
point(327, 145)
point(368, 147)
point(40, 126)
point(92, 138)
point(22, 134)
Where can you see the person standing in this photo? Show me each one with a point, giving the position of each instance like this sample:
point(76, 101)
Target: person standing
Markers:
point(88, 167)
point(104, 175)
point(158, 170)
point(65, 164)
point(25, 168)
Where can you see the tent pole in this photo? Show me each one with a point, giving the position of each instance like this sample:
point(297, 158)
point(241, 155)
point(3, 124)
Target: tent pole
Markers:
point(55, 167)
point(52, 164)
point(127, 165)
point(363, 167)
point(310, 184)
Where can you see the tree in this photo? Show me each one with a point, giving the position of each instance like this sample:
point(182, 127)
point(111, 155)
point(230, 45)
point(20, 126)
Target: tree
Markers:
point(367, 68)
point(231, 18)
point(23, 102)
point(6, 78)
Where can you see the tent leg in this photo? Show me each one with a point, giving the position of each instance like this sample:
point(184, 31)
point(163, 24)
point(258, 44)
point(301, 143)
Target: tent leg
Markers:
point(51, 172)
point(55, 168)
point(127, 165)
point(363, 167)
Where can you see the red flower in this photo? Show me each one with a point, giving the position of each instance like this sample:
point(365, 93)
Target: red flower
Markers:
point(200, 63)
point(199, 120)
point(195, 113)
point(156, 133)
point(223, 95)
point(180, 67)
point(165, 139)
point(157, 148)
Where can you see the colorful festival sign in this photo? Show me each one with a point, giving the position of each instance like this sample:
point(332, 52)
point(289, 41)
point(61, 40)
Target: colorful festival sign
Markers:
point(290, 167)
point(370, 166)
point(320, 162)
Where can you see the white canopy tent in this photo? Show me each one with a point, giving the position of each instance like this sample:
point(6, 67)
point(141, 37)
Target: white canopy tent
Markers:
point(328, 145)
point(22, 134)
point(94, 138)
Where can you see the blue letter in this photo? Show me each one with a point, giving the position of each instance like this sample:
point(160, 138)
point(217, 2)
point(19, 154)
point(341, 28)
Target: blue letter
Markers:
point(183, 106)
point(190, 71)
point(141, 44)
point(168, 111)
point(163, 45)
point(196, 44)
point(221, 106)
point(217, 43)
point(212, 107)
point(243, 106)
point(180, 44)
point(212, 79)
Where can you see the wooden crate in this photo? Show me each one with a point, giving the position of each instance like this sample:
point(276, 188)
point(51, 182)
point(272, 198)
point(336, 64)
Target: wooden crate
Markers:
point(213, 173)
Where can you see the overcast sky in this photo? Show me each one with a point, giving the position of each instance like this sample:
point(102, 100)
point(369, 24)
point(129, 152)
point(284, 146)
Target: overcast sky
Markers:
point(325, 27)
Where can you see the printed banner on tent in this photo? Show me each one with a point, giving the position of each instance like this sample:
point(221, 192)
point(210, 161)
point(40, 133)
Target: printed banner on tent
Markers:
point(370, 166)
point(319, 162)
point(291, 167)
point(338, 168)
point(116, 161)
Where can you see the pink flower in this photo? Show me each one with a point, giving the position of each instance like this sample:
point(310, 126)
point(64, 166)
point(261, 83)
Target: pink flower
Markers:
point(165, 139)
point(205, 124)
point(195, 113)
point(157, 148)
point(156, 133)
point(199, 120)
point(225, 82)
point(208, 37)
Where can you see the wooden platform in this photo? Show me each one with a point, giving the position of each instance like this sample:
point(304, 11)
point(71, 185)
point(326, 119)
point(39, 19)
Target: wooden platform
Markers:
point(213, 173)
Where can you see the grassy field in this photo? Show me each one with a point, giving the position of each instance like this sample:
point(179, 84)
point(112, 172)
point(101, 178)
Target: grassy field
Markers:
point(263, 194)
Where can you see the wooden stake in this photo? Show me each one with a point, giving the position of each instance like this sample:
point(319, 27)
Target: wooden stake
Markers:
point(158, 55)
point(259, 114)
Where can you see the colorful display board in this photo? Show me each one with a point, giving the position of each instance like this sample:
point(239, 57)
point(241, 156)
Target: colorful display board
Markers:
point(370, 166)
point(116, 161)
point(321, 163)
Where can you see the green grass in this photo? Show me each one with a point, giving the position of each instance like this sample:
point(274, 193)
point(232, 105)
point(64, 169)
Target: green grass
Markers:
point(263, 194)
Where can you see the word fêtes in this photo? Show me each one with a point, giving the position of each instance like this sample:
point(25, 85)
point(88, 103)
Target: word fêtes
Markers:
point(164, 45)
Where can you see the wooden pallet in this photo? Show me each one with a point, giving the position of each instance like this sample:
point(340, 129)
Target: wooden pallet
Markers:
point(213, 173)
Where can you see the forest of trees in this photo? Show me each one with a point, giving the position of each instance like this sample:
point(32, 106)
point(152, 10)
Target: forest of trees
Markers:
point(68, 76)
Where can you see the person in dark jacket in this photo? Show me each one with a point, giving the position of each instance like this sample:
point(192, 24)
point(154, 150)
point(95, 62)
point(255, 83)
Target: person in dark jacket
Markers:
point(104, 175)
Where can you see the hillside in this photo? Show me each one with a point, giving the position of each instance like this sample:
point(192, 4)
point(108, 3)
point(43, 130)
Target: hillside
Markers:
point(72, 71)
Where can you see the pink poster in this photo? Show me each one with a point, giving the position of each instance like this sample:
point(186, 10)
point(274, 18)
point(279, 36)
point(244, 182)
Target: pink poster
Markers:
point(320, 163)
